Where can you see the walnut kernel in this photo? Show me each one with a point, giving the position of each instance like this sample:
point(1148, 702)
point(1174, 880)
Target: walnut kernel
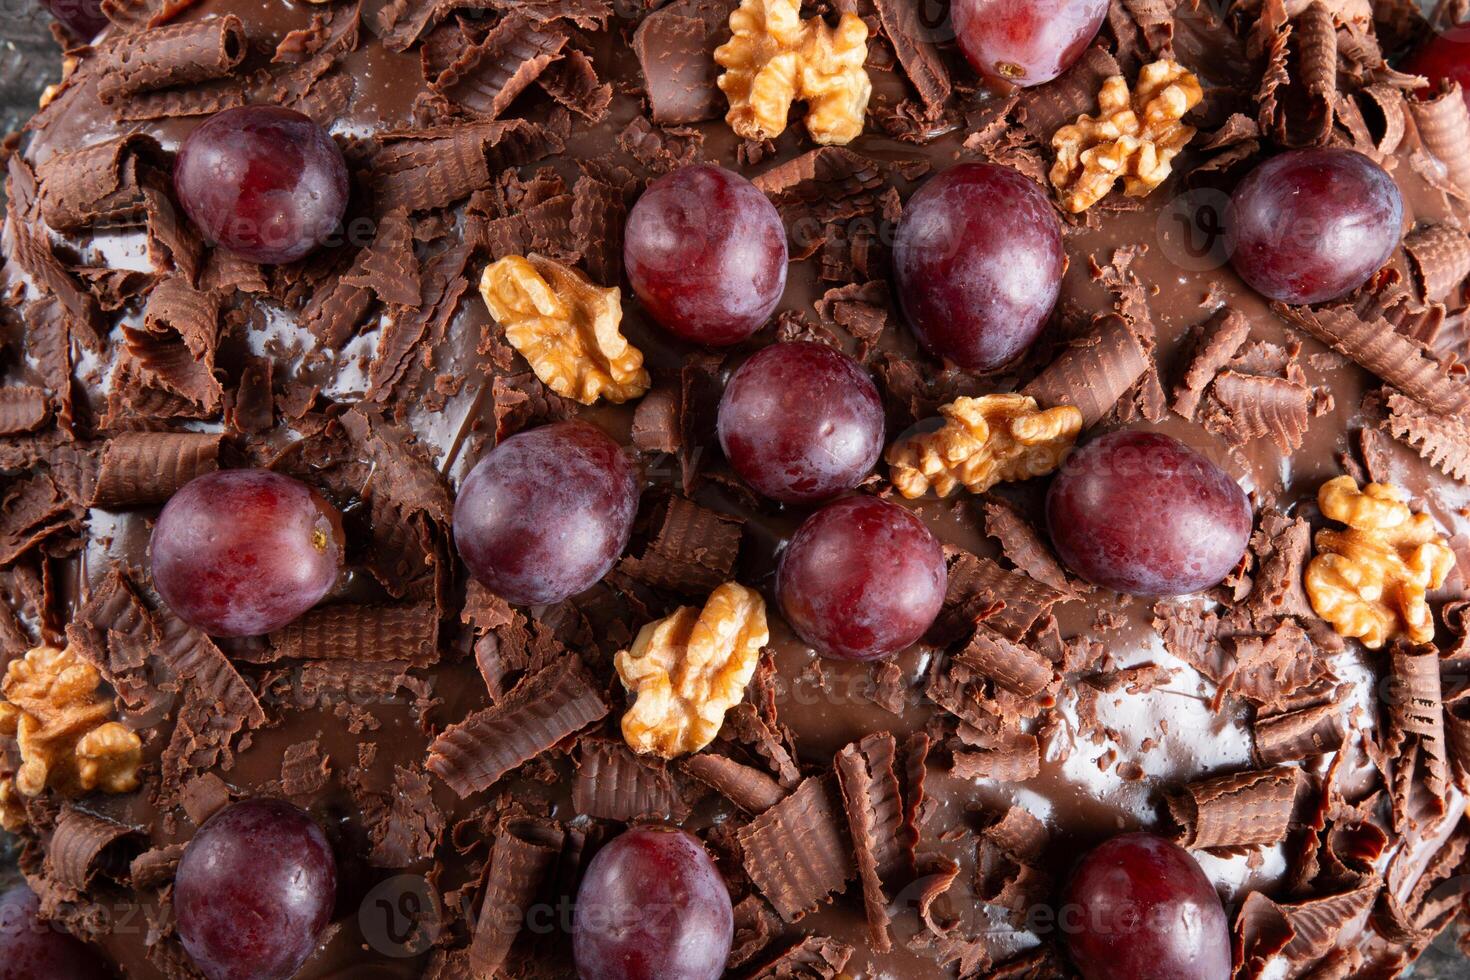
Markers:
point(686, 670)
point(1371, 580)
point(984, 441)
point(775, 58)
point(566, 327)
point(58, 718)
point(1135, 137)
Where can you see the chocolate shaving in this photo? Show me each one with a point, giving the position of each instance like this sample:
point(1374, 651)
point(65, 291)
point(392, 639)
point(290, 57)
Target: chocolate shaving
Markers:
point(1416, 739)
point(169, 57)
point(798, 852)
point(140, 469)
point(1234, 811)
point(1281, 547)
point(1444, 126)
point(1013, 757)
point(1366, 336)
point(23, 409)
point(1441, 259)
point(367, 634)
point(694, 552)
point(404, 824)
point(177, 343)
point(675, 46)
point(521, 862)
point(812, 958)
point(916, 52)
point(84, 845)
point(1259, 406)
point(750, 789)
point(1298, 735)
point(574, 84)
point(388, 266)
point(1443, 440)
point(598, 216)
point(1220, 339)
point(870, 794)
point(156, 866)
point(611, 783)
point(487, 77)
point(823, 185)
point(189, 655)
point(428, 169)
point(99, 184)
point(1045, 109)
point(1016, 668)
point(31, 511)
point(978, 588)
point(1095, 373)
point(544, 228)
point(305, 768)
point(30, 250)
point(540, 712)
point(1023, 545)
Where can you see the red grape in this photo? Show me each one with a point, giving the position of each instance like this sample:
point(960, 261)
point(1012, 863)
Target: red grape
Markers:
point(861, 579)
point(1140, 908)
point(1312, 225)
point(254, 890)
point(706, 255)
point(546, 513)
point(266, 183)
point(801, 422)
point(1445, 58)
point(84, 18)
point(1025, 42)
point(652, 906)
point(34, 949)
point(244, 552)
point(978, 258)
point(1138, 512)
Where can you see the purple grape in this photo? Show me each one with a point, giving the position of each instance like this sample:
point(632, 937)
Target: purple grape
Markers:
point(245, 552)
point(547, 513)
point(34, 949)
point(1313, 225)
point(652, 906)
point(264, 182)
point(706, 255)
point(254, 890)
point(861, 579)
point(1025, 42)
point(1140, 908)
point(978, 259)
point(1141, 513)
point(801, 422)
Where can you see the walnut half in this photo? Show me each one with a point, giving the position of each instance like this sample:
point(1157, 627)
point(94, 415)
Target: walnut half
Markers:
point(686, 670)
point(1371, 580)
point(1134, 136)
point(984, 441)
point(566, 327)
point(58, 718)
point(775, 58)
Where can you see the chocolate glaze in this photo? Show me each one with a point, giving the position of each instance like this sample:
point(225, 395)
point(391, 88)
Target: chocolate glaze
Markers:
point(1079, 796)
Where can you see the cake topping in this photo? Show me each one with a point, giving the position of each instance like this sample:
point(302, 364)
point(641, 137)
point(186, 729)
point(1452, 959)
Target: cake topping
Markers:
point(1372, 580)
point(984, 441)
point(54, 711)
point(566, 327)
point(687, 669)
point(1134, 137)
point(797, 852)
point(1237, 810)
point(775, 58)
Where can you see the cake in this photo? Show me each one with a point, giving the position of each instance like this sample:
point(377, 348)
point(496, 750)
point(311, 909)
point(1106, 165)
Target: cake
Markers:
point(908, 451)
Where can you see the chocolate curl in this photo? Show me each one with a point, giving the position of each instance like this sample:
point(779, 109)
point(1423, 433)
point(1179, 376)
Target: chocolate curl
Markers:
point(367, 634)
point(750, 789)
point(915, 770)
point(819, 957)
point(177, 343)
point(1013, 757)
point(675, 46)
point(487, 77)
point(141, 469)
point(798, 852)
point(978, 589)
point(1416, 741)
point(1095, 373)
point(98, 184)
point(611, 783)
point(1023, 545)
point(917, 54)
point(189, 655)
point(1370, 340)
point(870, 794)
point(521, 861)
point(1298, 735)
point(79, 844)
point(22, 409)
point(1441, 439)
point(543, 709)
point(598, 216)
point(1239, 810)
point(156, 866)
point(822, 184)
point(694, 552)
point(427, 169)
point(1047, 108)
point(1441, 259)
point(756, 926)
point(1457, 733)
point(1220, 338)
point(170, 57)
point(1264, 406)
point(573, 84)
point(1444, 127)
point(1016, 668)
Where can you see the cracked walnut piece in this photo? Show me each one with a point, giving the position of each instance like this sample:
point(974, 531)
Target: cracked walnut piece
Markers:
point(686, 670)
point(1371, 580)
point(58, 718)
point(984, 441)
point(1133, 137)
point(776, 58)
point(566, 327)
